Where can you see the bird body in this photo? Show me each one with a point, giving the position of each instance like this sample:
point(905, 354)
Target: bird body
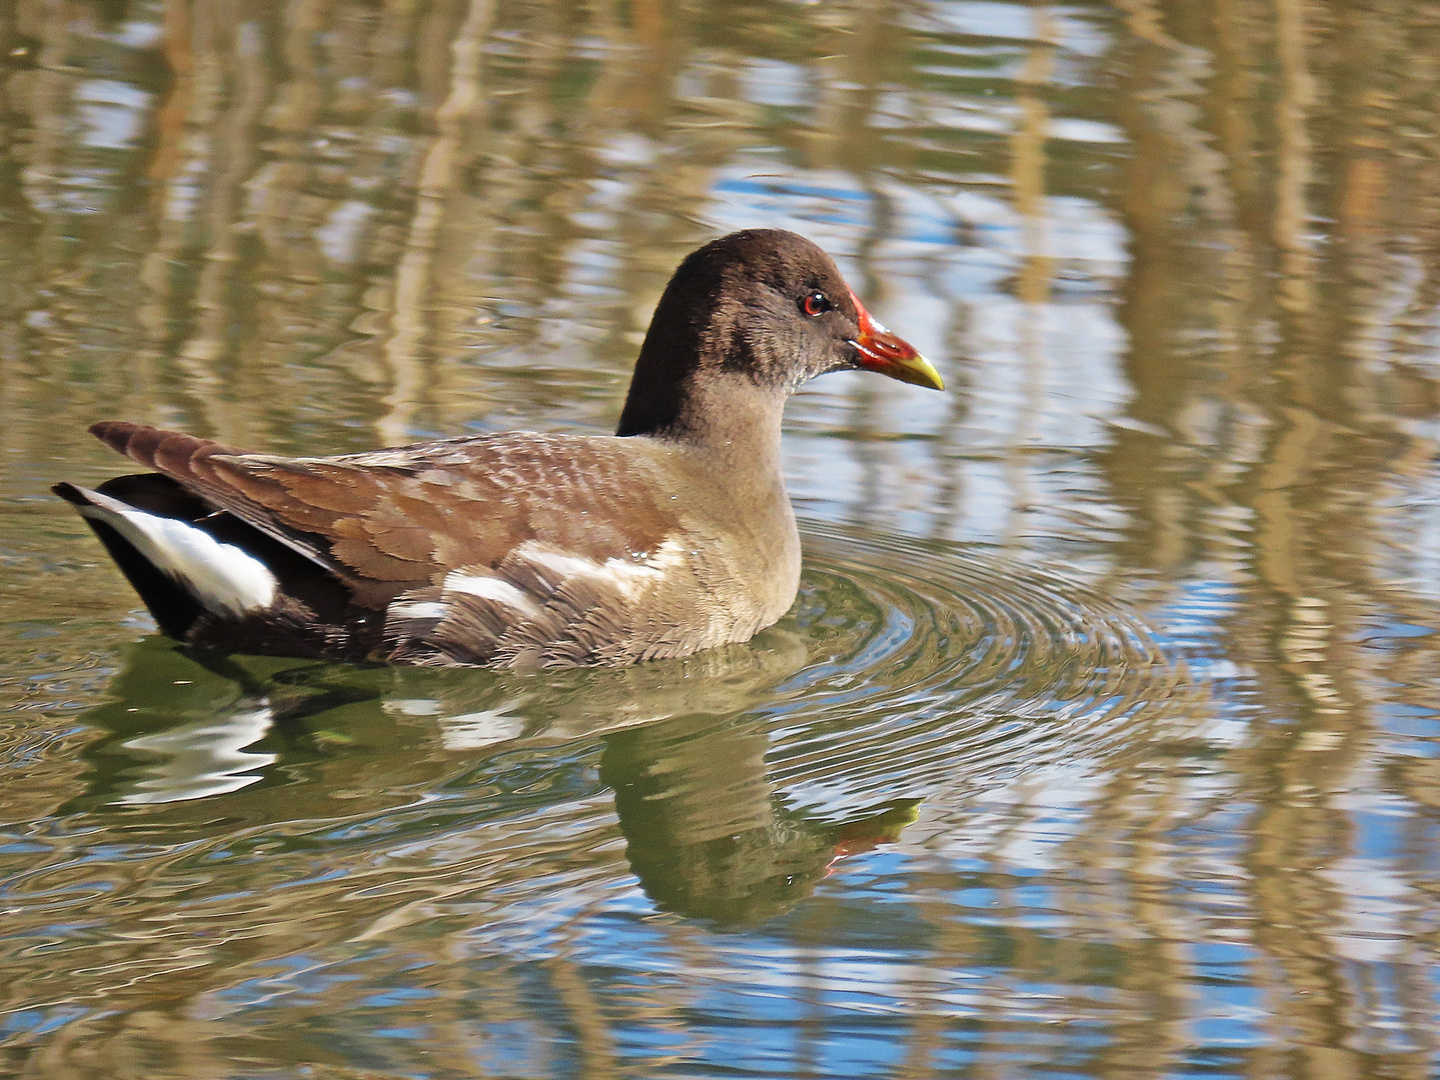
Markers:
point(517, 549)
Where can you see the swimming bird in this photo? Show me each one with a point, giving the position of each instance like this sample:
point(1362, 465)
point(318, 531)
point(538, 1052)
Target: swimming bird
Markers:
point(518, 549)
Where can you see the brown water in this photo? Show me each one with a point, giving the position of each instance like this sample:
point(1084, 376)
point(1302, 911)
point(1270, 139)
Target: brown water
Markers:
point(1104, 739)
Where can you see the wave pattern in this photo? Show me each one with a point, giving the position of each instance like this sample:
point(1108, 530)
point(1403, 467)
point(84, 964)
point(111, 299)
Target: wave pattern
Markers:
point(329, 835)
point(941, 663)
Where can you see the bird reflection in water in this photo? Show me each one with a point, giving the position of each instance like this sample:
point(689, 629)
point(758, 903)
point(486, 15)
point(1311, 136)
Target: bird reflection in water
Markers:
point(184, 725)
point(199, 759)
point(707, 834)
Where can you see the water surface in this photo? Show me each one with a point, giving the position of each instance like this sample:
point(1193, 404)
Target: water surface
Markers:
point(1103, 739)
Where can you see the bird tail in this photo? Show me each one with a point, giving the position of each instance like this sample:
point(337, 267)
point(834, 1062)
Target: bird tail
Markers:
point(180, 570)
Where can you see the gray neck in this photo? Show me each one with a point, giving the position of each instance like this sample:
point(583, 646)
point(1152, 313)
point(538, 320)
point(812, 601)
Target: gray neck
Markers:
point(729, 431)
point(736, 425)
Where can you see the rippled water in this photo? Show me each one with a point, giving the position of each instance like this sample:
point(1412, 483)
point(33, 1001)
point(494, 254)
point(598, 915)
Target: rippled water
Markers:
point(367, 841)
point(1102, 740)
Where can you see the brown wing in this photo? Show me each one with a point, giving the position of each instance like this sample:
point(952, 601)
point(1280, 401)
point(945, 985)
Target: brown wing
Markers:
point(400, 518)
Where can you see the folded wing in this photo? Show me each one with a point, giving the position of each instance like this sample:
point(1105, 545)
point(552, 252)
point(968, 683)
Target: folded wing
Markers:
point(475, 549)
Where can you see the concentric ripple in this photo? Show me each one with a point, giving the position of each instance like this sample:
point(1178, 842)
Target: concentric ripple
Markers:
point(929, 663)
point(360, 809)
point(904, 666)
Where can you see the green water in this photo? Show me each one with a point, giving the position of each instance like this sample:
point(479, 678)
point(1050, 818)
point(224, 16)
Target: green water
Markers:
point(1104, 738)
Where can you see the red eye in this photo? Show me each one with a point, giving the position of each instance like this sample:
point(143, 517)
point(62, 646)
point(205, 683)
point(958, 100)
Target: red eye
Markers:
point(817, 303)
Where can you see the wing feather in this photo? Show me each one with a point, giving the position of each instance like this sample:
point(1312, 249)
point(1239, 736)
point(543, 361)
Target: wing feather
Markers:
point(406, 517)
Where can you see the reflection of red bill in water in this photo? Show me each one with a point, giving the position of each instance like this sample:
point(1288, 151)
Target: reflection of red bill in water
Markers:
point(858, 837)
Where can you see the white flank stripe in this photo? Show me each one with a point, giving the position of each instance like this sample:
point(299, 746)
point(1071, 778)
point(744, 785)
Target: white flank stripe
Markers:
point(223, 577)
point(490, 588)
point(563, 566)
point(418, 609)
point(628, 576)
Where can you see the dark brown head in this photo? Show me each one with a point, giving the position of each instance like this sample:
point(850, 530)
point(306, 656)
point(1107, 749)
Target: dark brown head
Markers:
point(763, 308)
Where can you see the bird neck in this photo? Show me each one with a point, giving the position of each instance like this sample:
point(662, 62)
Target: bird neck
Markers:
point(722, 414)
point(726, 430)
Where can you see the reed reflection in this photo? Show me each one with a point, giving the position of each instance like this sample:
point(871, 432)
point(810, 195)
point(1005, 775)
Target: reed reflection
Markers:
point(1281, 467)
point(1181, 260)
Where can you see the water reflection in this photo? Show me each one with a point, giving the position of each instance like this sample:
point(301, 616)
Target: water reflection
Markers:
point(203, 759)
point(707, 835)
point(706, 832)
point(186, 724)
point(779, 757)
point(1179, 261)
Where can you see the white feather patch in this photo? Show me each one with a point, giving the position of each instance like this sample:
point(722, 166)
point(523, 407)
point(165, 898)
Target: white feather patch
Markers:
point(627, 575)
point(490, 588)
point(224, 578)
point(560, 565)
point(417, 609)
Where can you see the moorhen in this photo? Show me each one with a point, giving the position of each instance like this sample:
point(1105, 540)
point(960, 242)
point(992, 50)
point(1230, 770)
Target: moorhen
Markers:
point(518, 549)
